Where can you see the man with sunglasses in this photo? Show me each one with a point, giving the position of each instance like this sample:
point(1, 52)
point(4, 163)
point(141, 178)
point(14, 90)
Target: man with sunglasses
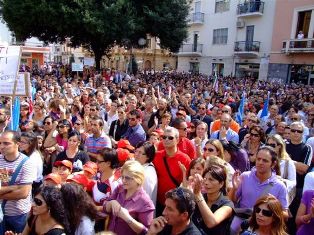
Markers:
point(17, 176)
point(167, 165)
point(176, 217)
point(184, 145)
point(301, 154)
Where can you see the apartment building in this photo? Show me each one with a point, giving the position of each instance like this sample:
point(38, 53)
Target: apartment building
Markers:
point(231, 37)
point(292, 51)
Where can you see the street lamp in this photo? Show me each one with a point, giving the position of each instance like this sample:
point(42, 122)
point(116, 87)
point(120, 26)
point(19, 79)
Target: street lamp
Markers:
point(141, 42)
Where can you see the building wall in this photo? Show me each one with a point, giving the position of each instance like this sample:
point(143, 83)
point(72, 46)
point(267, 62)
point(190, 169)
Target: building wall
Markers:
point(225, 53)
point(285, 28)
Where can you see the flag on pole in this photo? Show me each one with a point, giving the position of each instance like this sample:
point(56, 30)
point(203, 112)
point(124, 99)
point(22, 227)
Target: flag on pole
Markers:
point(216, 85)
point(265, 108)
point(239, 117)
point(15, 114)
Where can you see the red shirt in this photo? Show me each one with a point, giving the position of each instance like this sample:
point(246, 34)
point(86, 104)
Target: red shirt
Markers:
point(165, 183)
point(185, 146)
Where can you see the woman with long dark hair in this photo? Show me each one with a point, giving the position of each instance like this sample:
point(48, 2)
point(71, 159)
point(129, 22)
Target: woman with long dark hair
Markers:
point(214, 211)
point(80, 208)
point(64, 128)
point(48, 214)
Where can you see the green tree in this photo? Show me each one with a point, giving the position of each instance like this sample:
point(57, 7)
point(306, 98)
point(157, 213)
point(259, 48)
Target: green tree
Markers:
point(98, 24)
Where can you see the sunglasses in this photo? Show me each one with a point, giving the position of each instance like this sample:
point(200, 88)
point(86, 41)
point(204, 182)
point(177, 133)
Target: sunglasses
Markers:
point(266, 213)
point(61, 126)
point(93, 110)
point(38, 202)
point(272, 145)
point(225, 111)
point(294, 119)
point(311, 114)
point(202, 108)
point(132, 119)
point(167, 137)
point(184, 129)
point(294, 131)
point(208, 149)
point(47, 123)
point(255, 135)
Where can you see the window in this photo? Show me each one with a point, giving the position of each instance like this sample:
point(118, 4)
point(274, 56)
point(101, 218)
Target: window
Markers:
point(220, 36)
point(197, 6)
point(222, 5)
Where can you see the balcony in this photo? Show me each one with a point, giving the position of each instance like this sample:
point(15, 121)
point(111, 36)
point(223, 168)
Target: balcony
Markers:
point(247, 48)
point(298, 46)
point(196, 18)
point(191, 50)
point(251, 8)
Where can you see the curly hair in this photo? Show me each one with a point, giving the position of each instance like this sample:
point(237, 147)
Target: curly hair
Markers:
point(79, 204)
point(55, 204)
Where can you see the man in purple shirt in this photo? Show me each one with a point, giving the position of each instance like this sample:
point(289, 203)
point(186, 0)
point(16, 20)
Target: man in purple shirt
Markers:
point(135, 133)
point(251, 185)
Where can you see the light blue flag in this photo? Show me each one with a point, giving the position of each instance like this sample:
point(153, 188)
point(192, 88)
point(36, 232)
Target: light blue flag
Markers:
point(240, 113)
point(15, 114)
point(265, 108)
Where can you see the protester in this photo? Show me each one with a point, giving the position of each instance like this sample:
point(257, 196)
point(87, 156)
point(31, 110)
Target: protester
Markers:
point(267, 217)
point(305, 214)
point(213, 214)
point(176, 217)
point(130, 208)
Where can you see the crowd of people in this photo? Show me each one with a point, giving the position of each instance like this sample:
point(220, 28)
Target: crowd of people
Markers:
point(157, 153)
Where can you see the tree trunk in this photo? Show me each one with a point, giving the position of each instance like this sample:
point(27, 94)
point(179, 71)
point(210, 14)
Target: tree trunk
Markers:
point(98, 56)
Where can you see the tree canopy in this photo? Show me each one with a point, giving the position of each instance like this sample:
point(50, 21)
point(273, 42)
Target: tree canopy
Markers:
point(98, 24)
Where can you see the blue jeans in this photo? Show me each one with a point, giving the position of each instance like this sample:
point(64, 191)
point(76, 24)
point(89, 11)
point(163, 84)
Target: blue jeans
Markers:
point(13, 223)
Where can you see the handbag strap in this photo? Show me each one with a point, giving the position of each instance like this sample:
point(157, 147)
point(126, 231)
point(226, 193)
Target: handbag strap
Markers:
point(14, 176)
point(169, 173)
point(285, 175)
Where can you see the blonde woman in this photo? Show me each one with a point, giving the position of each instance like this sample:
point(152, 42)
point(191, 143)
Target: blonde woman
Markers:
point(287, 167)
point(214, 149)
point(130, 208)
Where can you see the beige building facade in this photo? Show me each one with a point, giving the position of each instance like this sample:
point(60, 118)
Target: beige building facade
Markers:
point(292, 50)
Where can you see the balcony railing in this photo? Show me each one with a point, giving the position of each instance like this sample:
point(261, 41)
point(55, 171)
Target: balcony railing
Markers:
point(251, 8)
point(191, 49)
point(298, 45)
point(196, 18)
point(247, 46)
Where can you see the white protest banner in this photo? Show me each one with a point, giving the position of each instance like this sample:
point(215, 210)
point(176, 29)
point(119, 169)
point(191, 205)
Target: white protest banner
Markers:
point(89, 61)
point(23, 85)
point(9, 63)
point(77, 67)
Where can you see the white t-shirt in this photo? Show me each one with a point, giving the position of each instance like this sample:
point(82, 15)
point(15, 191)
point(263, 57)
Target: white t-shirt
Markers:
point(37, 163)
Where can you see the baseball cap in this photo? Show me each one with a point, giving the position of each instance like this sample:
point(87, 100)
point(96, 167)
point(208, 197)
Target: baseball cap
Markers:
point(54, 177)
point(124, 144)
point(65, 163)
point(124, 155)
point(90, 167)
point(79, 179)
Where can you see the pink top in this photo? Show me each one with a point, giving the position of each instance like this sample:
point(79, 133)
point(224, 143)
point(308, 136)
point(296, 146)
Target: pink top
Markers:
point(62, 142)
point(140, 207)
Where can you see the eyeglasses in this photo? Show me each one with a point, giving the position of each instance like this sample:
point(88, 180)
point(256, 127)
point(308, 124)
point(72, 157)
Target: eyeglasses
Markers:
point(126, 178)
point(38, 202)
point(255, 135)
point(167, 137)
point(294, 131)
point(272, 145)
point(208, 149)
point(47, 123)
point(266, 213)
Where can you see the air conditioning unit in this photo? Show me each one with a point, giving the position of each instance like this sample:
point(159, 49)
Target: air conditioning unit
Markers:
point(240, 24)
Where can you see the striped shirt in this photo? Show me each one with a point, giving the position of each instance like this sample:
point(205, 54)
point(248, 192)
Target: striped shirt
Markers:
point(26, 176)
point(93, 145)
